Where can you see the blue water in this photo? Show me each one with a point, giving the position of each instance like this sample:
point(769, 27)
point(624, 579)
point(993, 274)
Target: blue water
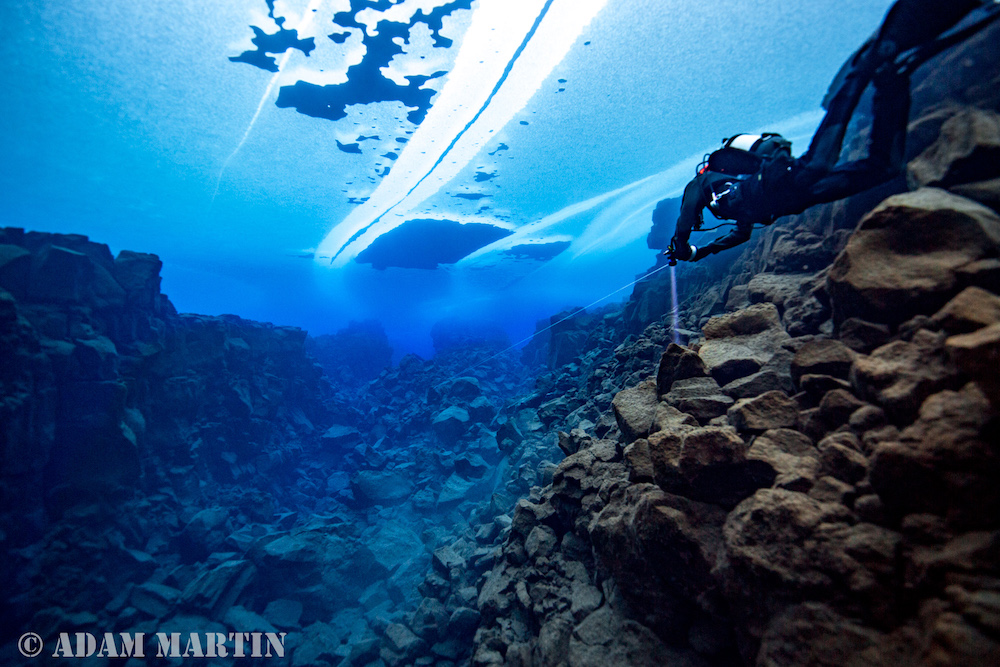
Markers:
point(162, 127)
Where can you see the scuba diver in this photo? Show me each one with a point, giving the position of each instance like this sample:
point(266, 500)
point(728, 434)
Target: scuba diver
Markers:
point(753, 179)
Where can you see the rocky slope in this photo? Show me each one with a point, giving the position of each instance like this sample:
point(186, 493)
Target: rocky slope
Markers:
point(813, 479)
point(810, 479)
point(202, 474)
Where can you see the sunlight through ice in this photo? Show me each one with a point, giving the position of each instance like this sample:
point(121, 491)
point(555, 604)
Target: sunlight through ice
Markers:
point(302, 27)
point(452, 134)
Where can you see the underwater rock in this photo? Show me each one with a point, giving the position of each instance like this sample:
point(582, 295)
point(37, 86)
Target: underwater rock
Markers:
point(739, 344)
point(972, 309)
point(770, 410)
point(904, 257)
point(862, 336)
point(966, 150)
point(139, 275)
point(355, 354)
point(700, 397)
point(451, 423)
point(822, 357)
point(678, 363)
point(900, 375)
point(777, 288)
point(977, 354)
point(381, 487)
point(814, 634)
point(635, 408)
point(791, 455)
point(943, 464)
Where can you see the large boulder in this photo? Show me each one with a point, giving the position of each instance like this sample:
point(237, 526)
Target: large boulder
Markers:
point(814, 634)
point(380, 487)
point(777, 288)
point(905, 256)
point(660, 547)
point(900, 375)
point(972, 309)
point(708, 464)
point(739, 344)
point(451, 423)
point(944, 463)
point(822, 357)
point(635, 408)
point(139, 274)
point(15, 264)
point(678, 363)
point(791, 454)
point(700, 397)
point(977, 355)
point(966, 151)
point(774, 409)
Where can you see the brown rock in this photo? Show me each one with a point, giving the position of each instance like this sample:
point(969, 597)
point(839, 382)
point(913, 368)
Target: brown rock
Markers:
point(813, 634)
point(841, 457)
point(815, 387)
point(984, 192)
point(640, 464)
point(829, 489)
point(837, 406)
point(978, 356)
point(900, 375)
point(647, 537)
point(777, 288)
point(775, 374)
point(791, 454)
point(664, 455)
point(710, 446)
point(983, 273)
point(966, 150)
point(903, 258)
point(866, 418)
point(635, 408)
point(739, 344)
point(668, 417)
point(944, 463)
point(767, 541)
point(862, 336)
point(708, 464)
point(973, 308)
point(771, 410)
point(700, 397)
point(956, 641)
point(822, 357)
point(678, 363)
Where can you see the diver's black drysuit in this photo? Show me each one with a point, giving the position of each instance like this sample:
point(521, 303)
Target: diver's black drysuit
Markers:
point(783, 185)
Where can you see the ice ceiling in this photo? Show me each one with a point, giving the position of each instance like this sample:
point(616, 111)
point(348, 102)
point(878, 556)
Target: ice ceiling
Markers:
point(310, 162)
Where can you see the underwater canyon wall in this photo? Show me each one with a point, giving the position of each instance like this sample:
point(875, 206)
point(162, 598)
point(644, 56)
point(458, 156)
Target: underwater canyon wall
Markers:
point(813, 479)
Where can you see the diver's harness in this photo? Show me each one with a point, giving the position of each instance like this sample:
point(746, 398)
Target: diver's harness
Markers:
point(740, 157)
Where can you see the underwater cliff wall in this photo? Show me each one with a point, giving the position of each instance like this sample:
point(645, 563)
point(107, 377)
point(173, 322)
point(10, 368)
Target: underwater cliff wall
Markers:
point(813, 479)
point(182, 473)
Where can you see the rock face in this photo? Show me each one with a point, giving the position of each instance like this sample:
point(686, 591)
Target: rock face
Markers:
point(203, 474)
point(813, 480)
point(906, 255)
point(739, 344)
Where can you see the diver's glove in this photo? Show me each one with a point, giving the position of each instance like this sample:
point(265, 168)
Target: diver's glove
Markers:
point(679, 251)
